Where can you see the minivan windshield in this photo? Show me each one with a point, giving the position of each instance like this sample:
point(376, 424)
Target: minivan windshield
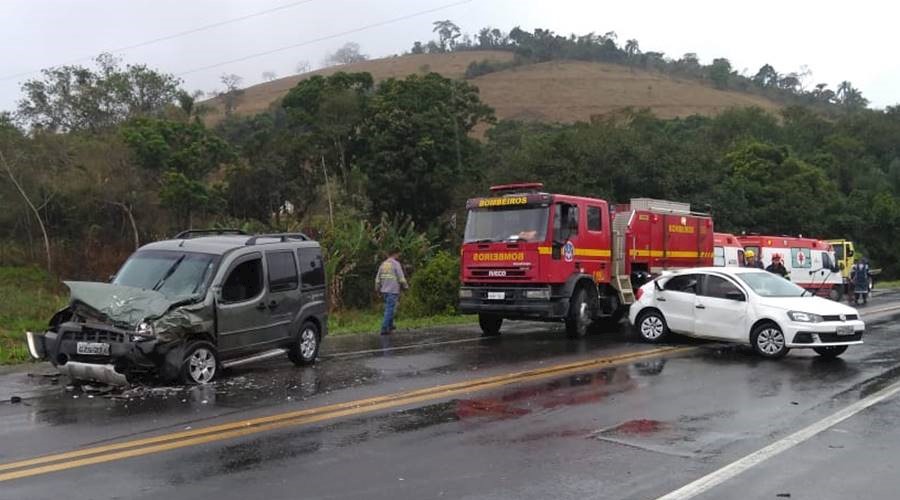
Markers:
point(525, 224)
point(175, 274)
point(770, 285)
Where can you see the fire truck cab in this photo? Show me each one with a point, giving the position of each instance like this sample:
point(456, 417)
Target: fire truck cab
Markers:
point(809, 261)
point(528, 254)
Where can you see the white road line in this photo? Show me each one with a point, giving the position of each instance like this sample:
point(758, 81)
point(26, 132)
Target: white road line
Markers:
point(731, 470)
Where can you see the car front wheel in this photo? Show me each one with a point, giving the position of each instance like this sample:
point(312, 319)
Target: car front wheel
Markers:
point(651, 326)
point(768, 341)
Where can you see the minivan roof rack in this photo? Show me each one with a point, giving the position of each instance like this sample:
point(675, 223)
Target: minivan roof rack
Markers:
point(283, 237)
point(191, 233)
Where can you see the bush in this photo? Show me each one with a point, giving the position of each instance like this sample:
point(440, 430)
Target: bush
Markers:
point(434, 288)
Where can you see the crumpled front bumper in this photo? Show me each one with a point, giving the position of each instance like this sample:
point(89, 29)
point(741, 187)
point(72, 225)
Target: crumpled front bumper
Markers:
point(127, 354)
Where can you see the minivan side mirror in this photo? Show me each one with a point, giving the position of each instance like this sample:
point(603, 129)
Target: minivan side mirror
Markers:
point(735, 295)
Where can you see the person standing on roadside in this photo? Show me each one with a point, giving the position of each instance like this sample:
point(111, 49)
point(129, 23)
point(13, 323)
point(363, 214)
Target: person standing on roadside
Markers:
point(859, 276)
point(777, 267)
point(389, 280)
point(750, 260)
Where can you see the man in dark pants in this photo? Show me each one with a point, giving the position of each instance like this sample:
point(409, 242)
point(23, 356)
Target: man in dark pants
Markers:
point(859, 276)
point(388, 281)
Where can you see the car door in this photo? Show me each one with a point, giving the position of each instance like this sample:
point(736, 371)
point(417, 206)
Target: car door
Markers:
point(241, 311)
point(676, 300)
point(721, 309)
point(283, 299)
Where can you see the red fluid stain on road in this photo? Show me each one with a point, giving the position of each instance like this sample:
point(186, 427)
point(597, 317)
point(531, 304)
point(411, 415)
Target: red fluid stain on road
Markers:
point(640, 426)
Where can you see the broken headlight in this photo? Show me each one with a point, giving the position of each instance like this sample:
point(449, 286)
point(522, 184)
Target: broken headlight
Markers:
point(143, 331)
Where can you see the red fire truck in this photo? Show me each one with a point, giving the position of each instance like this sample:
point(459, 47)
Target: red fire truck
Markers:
point(809, 261)
point(529, 254)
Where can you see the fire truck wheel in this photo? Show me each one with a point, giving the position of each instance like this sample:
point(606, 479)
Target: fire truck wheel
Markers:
point(652, 327)
point(768, 341)
point(579, 317)
point(490, 324)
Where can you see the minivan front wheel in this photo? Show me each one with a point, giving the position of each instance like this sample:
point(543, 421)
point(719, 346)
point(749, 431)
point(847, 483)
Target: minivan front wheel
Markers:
point(200, 363)
point(306, 348)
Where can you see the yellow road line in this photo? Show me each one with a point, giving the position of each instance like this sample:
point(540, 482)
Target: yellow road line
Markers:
point(166, 442)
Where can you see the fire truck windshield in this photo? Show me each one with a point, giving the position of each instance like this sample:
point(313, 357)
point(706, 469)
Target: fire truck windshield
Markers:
point(520, 224)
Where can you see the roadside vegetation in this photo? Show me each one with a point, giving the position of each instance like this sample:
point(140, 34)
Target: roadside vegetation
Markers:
point(96, 161)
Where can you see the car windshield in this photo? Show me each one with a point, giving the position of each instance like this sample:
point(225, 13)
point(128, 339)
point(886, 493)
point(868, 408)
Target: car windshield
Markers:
point(172, 273)
point(526, 224)
point(770, 285)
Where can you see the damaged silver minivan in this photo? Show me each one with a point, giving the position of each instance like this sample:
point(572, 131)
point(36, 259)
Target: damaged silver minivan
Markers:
point(182, 309)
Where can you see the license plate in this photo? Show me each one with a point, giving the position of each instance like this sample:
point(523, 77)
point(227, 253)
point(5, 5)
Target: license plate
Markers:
point(844, 330)
point(496, 295)
point(92, 348)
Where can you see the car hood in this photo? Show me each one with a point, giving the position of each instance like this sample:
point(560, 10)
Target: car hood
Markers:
point(117, 304)
point(815, 305)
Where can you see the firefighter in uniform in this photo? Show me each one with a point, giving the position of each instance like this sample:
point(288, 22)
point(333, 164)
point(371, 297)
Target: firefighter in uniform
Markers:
point(388, 281)
point(751, 260)
point(777, 267)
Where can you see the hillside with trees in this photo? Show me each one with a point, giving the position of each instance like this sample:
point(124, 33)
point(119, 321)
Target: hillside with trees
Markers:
point(98, 160)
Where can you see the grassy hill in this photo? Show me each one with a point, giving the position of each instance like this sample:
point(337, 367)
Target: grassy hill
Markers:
point(555, 91)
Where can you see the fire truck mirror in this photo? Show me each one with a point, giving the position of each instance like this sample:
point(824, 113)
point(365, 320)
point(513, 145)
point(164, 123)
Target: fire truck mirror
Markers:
point(849, 252)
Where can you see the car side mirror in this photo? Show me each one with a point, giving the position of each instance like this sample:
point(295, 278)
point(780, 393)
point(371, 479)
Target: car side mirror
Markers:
point(735, 295)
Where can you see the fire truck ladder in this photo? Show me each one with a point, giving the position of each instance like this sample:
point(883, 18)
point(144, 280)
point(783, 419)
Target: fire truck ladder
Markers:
point(622, 281)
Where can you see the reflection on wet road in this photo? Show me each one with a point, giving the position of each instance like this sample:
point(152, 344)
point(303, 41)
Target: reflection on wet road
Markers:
point(636, 429)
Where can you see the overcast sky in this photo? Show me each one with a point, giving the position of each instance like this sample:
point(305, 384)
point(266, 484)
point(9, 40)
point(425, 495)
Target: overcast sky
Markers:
point(838, 41)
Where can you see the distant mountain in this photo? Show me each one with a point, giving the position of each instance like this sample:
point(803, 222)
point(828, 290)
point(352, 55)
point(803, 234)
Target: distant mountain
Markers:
point(555, 91)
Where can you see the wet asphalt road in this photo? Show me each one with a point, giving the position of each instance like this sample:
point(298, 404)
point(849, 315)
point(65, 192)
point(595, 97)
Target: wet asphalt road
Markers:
point(639, 429)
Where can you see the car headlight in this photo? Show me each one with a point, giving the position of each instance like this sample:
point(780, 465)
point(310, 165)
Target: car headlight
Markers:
point(144, 329)
point(803, 317)
point(465, 293)
point(538, 294)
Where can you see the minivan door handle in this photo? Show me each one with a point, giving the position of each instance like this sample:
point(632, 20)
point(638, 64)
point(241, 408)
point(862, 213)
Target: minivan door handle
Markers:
point(273, 304)
point(700, 306)
point(261, 306)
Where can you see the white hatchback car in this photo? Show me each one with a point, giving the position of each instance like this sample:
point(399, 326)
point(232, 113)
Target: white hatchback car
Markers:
point(747, 306)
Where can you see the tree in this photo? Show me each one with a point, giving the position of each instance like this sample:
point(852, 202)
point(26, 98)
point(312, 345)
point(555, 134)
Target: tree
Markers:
point(74, 98)
point(268, 76)
point(766, 76)
point(302, 67)
point(720, 72)
point(419, 149)
point(850, 98)
point(349, 53)
point(417, 48)
point(232, 94)
point(447, 34)
point(632, 48)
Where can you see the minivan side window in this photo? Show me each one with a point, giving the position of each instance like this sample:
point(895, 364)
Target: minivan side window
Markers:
point(686, 283)
point(282, 271)
point(244, 282)
point(312, 269)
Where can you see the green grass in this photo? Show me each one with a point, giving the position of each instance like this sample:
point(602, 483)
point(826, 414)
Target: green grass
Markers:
point(28, 298)
point(356, 322)
point(885, 285)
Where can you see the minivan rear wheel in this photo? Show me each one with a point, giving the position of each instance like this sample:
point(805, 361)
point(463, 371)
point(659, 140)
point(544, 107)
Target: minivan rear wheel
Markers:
point(651, 327)
point(306, 348)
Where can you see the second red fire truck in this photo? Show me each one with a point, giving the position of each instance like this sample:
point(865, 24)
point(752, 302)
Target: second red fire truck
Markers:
point(529, 254)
